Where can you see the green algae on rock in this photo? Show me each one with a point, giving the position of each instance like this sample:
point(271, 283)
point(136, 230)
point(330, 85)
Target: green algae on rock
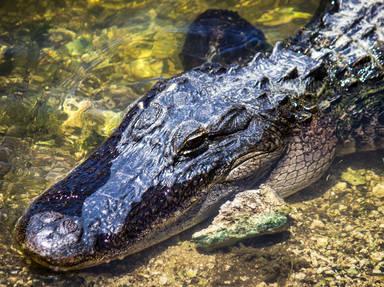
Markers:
point(243, 229)
point(353, 177)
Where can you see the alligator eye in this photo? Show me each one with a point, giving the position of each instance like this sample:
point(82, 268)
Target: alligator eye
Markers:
point(190, 138)
point(235, 120)
point(194, 144)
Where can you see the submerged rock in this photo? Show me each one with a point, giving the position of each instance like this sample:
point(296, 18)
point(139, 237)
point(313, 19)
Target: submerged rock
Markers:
point(251, 214)
point(221, 36)
point(378, 190)
point(5, 166)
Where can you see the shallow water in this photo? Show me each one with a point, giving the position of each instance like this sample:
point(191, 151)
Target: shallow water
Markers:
point(69, 69)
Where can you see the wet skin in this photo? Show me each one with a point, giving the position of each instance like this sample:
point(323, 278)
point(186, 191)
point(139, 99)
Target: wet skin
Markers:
point(198, 138)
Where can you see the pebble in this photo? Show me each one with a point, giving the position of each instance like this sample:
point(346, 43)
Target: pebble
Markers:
point(317, 224)
point(191, 273)
point(341, 185)
point(378, 190)
point(352, 271)
point(163, 280)
point(322, 241)
point(299, 276)
point(348, 228)
point(377, 256)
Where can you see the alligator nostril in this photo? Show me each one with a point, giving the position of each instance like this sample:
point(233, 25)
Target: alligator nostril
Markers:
point(50, 216)
point(67, 226)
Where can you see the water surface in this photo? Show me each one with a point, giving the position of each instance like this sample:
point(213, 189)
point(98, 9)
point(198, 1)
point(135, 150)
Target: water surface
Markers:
point(69, 69)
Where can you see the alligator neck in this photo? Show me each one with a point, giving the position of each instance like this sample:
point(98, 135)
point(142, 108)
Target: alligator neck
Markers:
point(348, 41)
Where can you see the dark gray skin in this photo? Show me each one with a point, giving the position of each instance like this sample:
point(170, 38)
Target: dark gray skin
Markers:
point(210, 133)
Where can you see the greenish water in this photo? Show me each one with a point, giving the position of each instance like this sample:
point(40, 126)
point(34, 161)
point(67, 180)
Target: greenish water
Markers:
point(68, 70)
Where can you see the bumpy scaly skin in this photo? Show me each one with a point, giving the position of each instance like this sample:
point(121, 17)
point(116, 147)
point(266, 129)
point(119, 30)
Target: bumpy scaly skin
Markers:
point(210, 133)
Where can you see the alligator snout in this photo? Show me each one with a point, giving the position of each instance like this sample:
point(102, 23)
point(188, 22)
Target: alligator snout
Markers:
point(51, 233)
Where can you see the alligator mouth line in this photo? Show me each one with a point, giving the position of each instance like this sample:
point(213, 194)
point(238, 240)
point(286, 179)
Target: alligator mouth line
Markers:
point(248, 157)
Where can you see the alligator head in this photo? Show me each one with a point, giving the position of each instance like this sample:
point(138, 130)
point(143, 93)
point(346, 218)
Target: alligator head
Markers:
point(180, 151)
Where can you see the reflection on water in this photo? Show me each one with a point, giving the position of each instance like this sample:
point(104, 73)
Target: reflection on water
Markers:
point(68, 70)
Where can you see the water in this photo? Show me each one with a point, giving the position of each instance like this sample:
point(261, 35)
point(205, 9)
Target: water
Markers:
point(69, 69)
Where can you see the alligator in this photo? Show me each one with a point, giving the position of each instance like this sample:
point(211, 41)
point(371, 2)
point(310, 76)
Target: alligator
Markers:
point(212, 133)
